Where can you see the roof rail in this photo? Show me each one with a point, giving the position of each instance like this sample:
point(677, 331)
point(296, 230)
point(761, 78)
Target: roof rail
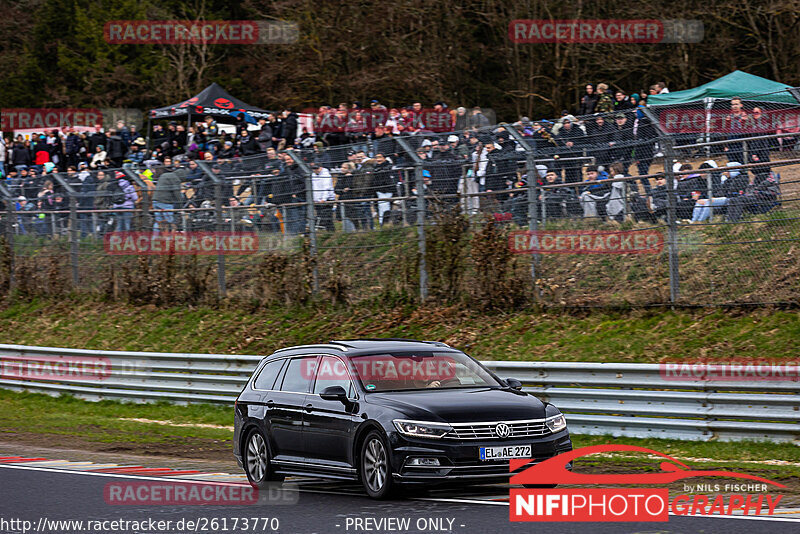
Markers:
point(400, 339)
point(313, 345)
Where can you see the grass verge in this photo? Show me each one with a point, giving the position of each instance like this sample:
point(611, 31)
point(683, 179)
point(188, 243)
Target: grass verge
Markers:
point(626, 336)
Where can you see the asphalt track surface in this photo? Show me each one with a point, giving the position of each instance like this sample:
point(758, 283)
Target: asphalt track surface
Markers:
point(42, 494)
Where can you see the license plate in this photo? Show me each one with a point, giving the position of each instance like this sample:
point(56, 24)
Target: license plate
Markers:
point(505, 453)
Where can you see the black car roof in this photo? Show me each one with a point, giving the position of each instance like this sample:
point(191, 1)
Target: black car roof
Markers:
point(355, 346)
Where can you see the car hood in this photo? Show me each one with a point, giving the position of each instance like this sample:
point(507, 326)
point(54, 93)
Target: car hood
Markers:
point(462, 405)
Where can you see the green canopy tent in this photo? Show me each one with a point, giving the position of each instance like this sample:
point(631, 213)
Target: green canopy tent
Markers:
point(737, 83)
point(715, 96)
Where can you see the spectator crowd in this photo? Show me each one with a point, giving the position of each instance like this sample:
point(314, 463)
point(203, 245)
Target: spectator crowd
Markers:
point(361, 174)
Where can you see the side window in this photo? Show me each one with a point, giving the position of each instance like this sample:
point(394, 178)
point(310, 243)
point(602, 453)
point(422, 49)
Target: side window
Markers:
point(333, 372)
point(266, 378)
point(299, 374)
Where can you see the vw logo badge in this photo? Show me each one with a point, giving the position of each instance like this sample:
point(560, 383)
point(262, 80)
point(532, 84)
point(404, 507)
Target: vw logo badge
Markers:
point(502, 430)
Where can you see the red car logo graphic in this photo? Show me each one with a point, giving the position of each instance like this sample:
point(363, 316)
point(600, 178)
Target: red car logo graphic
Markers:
point(554, 470)
point(223, 103)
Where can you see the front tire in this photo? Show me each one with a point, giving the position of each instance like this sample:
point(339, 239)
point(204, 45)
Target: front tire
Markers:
point(375, 467)
point(258, 462)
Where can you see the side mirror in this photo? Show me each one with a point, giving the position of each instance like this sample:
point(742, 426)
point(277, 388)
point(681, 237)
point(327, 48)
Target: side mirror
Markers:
point(513, 383)
point(334, 393)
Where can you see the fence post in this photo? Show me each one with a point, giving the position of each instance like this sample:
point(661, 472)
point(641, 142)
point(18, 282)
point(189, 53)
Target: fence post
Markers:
point(218, 216)
point(533, 191)
point(11, 217)
point(672, 222)
point(311, 218)
point(420, 205)
point(73, 239)
point(73, 226)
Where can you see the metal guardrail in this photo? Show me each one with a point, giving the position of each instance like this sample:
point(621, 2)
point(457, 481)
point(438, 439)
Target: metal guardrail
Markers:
point(620, 399)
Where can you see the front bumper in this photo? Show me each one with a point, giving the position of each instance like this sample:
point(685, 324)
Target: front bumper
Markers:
point(459, 459)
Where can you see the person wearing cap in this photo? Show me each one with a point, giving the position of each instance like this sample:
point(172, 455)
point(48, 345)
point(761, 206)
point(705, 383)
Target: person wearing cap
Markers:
point(622, 142)
point(99, 157)
point(22, 206)
point(123, 197)
point(570, 140)
point(226, 151)
point(595, 192)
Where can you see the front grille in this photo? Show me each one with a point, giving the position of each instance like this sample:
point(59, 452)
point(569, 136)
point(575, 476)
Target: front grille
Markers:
point(518, 429)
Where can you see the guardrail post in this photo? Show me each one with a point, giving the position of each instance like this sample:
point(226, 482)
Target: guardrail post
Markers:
point(311, 218)
point(219, 224)
point(421, 209)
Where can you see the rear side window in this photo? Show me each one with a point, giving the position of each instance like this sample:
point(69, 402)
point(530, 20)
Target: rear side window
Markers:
point(299, 374)
point(266, 378)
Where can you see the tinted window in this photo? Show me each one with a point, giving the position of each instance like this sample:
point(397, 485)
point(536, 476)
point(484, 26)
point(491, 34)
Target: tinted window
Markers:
point(299, 374)
point(332, 372)
point(266, 378)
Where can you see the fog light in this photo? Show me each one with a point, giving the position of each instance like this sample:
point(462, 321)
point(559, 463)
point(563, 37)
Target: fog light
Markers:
point(423, 461)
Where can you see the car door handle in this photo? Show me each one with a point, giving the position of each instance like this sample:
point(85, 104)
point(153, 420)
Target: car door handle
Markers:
point(309, 407)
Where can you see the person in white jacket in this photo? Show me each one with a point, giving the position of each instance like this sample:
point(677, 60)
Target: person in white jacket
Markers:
point(322, 187)
point(474, 177)
point(3, 151)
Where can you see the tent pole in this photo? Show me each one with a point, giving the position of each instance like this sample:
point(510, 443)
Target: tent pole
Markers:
point(709, 105)
point(147, 134)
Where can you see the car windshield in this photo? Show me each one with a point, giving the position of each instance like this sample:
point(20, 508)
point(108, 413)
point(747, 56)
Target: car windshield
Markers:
point(420, 370)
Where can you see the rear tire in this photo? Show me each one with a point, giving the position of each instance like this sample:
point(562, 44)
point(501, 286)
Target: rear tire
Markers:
point(375, 467)
point(257, 461)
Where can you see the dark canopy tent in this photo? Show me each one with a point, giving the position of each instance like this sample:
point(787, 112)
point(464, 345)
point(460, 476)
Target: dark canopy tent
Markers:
point(214, 101)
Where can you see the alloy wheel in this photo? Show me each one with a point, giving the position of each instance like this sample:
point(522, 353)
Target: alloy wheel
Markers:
point(375, 464)
point(257, 457)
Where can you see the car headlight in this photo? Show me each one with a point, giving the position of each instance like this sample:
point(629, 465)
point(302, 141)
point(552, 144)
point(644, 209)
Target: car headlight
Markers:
point(556, 423)
point(421, 429)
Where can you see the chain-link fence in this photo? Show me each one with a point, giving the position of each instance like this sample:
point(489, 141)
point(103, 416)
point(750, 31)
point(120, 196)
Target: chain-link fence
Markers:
point(693, 205)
